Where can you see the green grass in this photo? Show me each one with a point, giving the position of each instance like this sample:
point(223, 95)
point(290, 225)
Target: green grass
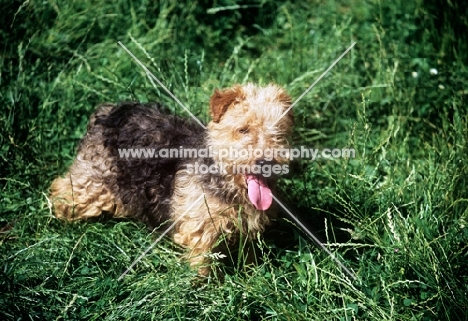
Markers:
point(396, 214)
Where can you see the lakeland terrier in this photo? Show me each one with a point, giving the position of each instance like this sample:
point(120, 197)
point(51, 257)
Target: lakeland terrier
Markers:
point(126, 167)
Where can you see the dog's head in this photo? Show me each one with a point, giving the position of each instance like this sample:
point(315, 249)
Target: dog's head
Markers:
point(250, 136)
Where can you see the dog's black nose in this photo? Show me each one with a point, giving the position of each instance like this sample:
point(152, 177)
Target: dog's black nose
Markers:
point(263, 162)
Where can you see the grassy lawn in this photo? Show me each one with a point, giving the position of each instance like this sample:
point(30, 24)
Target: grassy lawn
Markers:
point(396, 214)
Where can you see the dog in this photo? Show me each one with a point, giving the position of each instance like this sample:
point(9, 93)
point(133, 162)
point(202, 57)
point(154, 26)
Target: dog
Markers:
point(223, 190)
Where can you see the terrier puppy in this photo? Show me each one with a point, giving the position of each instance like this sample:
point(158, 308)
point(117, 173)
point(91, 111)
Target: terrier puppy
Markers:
point(137, 160)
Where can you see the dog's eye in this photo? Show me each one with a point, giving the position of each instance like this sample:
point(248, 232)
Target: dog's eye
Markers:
point(244, 130)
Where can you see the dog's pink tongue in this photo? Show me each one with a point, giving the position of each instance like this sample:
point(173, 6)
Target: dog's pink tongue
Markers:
point(259, 193)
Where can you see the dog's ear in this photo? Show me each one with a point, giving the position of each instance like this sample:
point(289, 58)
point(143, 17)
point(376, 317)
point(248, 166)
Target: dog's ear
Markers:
point(285, 100)
point(222, 99)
